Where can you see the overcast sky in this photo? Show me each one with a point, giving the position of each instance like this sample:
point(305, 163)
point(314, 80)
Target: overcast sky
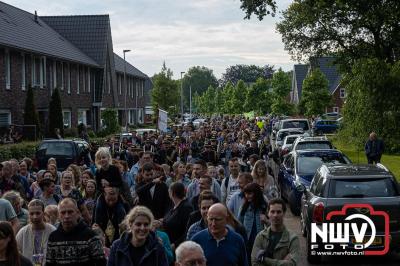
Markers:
point(184, 33)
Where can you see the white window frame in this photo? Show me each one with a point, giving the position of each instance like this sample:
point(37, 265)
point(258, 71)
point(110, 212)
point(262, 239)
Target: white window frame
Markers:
point(8, 112)
point(137, 88)
point(335, 109)
point(69, 114)
point(7, 62)
point(88, 79)
point(62, 76)
point(77, 79)
point(54, 74)
point(342, 93)
point(42, 72)
point(23, 72)
point(68, 78)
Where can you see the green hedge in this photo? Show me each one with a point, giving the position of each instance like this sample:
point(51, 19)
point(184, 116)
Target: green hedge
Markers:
point(17, 151)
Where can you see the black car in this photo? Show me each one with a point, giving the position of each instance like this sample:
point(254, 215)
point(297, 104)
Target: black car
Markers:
point(65, 152)
point(336, 186)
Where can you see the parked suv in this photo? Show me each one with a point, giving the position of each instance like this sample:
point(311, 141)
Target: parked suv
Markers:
point(311, 143)
point(336, 185)
point(64, 151)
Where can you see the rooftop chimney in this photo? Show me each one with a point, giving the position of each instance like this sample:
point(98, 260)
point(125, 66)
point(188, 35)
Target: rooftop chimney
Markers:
point(36, 17)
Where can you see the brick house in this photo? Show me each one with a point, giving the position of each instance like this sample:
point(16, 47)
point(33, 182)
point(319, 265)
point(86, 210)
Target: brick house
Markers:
point(72, 53)
point(327, 67)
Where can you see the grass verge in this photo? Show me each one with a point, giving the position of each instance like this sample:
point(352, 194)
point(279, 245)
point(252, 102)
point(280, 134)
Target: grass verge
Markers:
point(392, 162)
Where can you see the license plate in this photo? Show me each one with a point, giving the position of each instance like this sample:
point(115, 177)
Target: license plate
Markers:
point(377, 241)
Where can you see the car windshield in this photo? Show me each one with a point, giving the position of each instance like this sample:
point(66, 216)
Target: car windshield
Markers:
point(290, 140)
point(57, 149)
point(314, 145)
point(303, 124)
point(307, 164)
point(359, 188)
point(283, 134)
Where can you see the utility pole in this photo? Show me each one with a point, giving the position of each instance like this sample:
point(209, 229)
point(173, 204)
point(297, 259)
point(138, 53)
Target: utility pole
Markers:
point(126, 110)
point(182, 95)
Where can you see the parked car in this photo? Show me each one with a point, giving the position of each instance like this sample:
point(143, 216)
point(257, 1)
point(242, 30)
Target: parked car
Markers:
point(325, 127)
point(65, 152)
point(293, 123)
point(311, 143)
point(281, 134)
point(331, 116)
point(299, 167)
point(141, 131)
point(288, 142)
point(336, 185)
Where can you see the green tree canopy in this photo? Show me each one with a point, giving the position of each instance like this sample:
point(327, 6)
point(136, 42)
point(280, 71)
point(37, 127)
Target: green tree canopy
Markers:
point(260, 8)
point(199, 78)
point(248, 73)
point(165, 93)
point(55, 114)
point(315, 93)
point(259, 97)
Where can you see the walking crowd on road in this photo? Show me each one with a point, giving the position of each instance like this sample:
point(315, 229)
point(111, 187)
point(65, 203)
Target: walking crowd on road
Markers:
point(200, 195)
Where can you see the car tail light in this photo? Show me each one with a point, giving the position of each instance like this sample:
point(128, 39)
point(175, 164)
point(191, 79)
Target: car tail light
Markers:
point(318, 213)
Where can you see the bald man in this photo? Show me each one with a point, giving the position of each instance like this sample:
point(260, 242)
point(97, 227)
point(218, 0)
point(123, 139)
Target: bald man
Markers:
point(73, 243)
point(221, 245)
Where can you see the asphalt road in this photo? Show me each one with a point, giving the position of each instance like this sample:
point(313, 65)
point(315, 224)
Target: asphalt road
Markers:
point(293, 223)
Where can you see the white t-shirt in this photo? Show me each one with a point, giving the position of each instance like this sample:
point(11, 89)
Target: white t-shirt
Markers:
point(227, 192)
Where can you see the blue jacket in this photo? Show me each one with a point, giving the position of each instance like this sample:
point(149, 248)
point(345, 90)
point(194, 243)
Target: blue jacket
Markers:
point(231, 250)
point(247, 220)
point(154, 256)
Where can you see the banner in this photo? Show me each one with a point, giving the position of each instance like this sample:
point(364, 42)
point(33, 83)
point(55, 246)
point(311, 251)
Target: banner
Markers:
point(162, 120)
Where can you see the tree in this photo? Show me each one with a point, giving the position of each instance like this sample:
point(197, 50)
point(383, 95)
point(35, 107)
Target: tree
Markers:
point(228, 93)
point(258, 97)
point(165, 93)
point(260, 8)
point(55, 114)
point(31, 116)
point(199, 78)
point(281, 87)
point(110, 121)
point(315, 93)
point(248, 73)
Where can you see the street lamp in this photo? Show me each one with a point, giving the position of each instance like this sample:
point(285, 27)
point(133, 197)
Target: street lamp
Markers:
point(182, 95)
point(126, 110)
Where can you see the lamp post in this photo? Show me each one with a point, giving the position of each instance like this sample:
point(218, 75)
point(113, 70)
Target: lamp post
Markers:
point(182, 95)
point(126, 110)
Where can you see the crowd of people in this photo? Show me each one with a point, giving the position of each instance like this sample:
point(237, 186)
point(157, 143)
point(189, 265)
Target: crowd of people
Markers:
point(194, 196)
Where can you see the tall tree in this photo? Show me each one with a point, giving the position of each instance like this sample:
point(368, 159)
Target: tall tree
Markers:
point(258, 97)
point(55, 114)
point(197, 78)
point(31, 116)
point(280, 84)
point(315, 93)
point(260, 8)
point(165, 93)
point(248, 73)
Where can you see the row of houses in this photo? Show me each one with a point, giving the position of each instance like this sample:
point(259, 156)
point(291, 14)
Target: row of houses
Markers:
point(74, 54)
point(330, 70)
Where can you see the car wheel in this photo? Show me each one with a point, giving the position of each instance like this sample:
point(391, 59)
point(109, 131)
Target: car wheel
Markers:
point(303, 228)
point(294, 206)
point(312, 258)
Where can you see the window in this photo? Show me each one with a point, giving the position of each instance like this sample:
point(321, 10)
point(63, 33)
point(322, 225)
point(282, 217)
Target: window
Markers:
point(77, 79)
point(88, 79)
point(8, 69)
point(62, 76)
point(67, 118)
point(5, 118)
point(342, 93)
point(54, 74)
point(68, 79)
point(131, 119)
point(42, 71)
point(82, 116)
point(336, 109)
point(120, 84)
point(142, 83)
point(38, 71)
point(109, 83)
point(23, 75)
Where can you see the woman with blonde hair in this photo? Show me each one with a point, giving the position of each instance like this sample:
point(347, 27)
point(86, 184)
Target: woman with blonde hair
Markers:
point(139, 245)
point(180, 175)
point(265, 181)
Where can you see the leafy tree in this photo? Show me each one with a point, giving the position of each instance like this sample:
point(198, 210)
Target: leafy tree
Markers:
point(248, 73)
point(315, 93)
point(281, 87)
point(258, 97)
point(281, 106)
point(110, 120)
point(199, 78)
point(55, 114)
point(31, 116)
point(228, 93)
point(260, 8)
point(165, 93)
point(219, 101)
